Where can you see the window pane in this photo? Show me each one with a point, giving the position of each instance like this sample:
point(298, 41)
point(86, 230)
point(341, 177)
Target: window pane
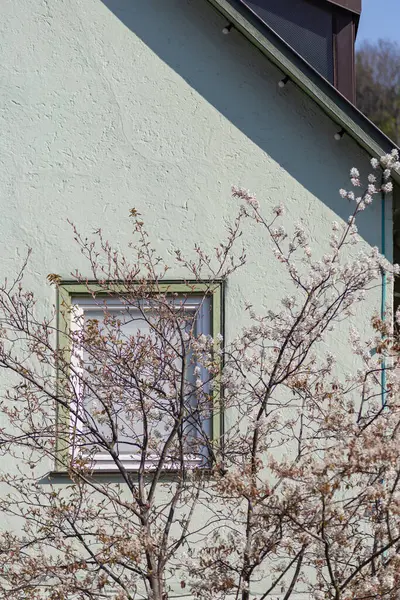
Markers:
point(133, 377)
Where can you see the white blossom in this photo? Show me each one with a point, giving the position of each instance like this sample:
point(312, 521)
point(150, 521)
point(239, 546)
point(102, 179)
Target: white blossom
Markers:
point(387, 187)
point(278, 210)
point(367, 199)
point(245, 195)
point(335, 226)
point(374, 163)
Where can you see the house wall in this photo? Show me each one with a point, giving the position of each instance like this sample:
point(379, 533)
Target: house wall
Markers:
point(114, 104)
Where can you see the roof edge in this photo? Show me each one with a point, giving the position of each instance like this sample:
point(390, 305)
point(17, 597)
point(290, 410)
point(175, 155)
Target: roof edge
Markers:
point(353, 6)
point(330, 100)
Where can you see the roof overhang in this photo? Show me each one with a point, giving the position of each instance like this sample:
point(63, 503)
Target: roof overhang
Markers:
point(353, 6)
point(332, 102)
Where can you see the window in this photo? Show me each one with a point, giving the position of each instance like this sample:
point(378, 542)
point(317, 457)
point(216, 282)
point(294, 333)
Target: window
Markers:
point(134, 375)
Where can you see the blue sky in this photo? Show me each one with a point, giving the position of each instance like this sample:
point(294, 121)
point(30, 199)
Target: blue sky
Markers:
point(379, 19)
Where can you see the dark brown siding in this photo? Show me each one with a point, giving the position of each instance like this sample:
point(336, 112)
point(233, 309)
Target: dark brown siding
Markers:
point(321, 31)
point(344, 38)
point(305, 26)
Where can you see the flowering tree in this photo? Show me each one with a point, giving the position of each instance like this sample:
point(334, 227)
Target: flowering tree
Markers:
point(297, 493)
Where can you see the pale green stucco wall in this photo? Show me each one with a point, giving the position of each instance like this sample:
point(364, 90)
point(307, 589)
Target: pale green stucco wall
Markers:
point(106, 105)
point(121, 103)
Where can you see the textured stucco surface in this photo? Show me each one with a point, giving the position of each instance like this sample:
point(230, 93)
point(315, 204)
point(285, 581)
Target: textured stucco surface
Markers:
point(122, 103)
point(109, 105)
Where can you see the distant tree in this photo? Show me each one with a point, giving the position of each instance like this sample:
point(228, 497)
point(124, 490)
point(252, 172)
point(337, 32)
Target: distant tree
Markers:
point(378, 85)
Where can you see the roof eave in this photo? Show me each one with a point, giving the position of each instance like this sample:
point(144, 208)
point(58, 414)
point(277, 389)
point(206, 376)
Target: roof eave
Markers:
point(353, 6)
point(331, 101)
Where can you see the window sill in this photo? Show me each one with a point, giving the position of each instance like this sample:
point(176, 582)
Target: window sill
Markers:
point(104, 465)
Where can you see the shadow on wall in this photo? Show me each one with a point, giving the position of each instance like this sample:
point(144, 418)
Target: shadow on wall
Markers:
point(233, 76)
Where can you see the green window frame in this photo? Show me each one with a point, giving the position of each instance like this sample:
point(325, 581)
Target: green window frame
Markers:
point(68, 291)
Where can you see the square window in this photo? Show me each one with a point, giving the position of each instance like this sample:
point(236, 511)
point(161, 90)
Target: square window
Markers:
point(135, 382)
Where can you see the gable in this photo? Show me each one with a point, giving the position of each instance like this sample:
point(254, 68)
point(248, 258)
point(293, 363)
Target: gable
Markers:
point(342, 112)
